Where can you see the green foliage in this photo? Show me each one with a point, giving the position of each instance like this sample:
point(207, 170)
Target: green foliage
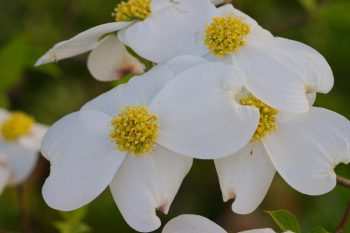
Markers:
point(73, 222)
point(318, 230)
point(13, 60)
point(285, 220)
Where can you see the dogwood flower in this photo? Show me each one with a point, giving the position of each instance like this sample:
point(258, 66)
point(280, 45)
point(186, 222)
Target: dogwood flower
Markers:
point(127, 139)
point(20, 140)
point(189, 223)
point(157, 30)
point(279, 71)
point(304, 148)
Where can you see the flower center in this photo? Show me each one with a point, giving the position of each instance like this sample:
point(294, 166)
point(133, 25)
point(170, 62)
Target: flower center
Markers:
point(135, 130)
point(132, 9)
point(225, 34)
point(267, 117)
point(17, 125)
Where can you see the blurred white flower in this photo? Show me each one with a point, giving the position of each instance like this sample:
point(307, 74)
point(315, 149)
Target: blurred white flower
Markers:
point(279, 71)
point(139, 139)
point(189, 223)
point(20, 139)
point(303, 147)
point(157, 30)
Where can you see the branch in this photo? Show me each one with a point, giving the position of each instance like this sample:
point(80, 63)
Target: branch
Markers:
point(343, 222)
point(24, 208)
point(343, 181)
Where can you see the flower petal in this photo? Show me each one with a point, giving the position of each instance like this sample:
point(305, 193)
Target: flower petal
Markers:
point(83, 159)
point(256, 31)
point(175, 30)
point(218, 2)
point(189, 223)
point(21, 161)
point(245, 177)
point(110, 60)
point(182, 63)
point(265, 230)
point(271, 78)
point(148, 183)
point(81, 43)
point(306, 148)
point(33, 140)
point(139, 90)
point(198, 115)
point(3, 115)
point(318, 75)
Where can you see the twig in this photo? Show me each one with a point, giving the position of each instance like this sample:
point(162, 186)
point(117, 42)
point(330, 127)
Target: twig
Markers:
point(24, 208)
point(343, 222)
point(343, 181)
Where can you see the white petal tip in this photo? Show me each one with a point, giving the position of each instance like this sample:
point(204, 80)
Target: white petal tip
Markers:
point(39, 62)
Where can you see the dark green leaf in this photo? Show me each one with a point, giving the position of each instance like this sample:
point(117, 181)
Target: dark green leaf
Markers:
point(285, 220)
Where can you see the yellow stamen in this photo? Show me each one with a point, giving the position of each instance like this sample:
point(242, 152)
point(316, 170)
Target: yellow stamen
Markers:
point(225, 34)
point(135, 130)
point(17, 125)
point(132, 9)
point(267, 117)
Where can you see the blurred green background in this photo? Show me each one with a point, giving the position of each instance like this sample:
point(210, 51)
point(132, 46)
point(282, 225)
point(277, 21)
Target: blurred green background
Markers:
point(30, 27)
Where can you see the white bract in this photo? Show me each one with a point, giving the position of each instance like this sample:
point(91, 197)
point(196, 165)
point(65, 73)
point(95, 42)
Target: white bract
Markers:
point(110, 60)
point(157, 30)
point(20, 140)
point(279, 71)
point(140, 137)
point(189, 223)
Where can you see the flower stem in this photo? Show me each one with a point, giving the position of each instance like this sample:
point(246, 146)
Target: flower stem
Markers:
point(344, 220)
point(343, 181)
point(24, 208)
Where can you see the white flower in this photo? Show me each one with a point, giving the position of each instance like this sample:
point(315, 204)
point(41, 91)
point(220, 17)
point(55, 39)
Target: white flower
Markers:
point(96, 147)
point(157, 30)
point(279, 71)
point(304, 148)
point(20, 140)
point(189, 223)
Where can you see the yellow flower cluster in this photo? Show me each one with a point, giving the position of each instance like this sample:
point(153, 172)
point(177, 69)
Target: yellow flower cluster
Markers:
point(17, 125)
point(267, 117)
point(132, 9)
point(135, 130)
point(225, 34)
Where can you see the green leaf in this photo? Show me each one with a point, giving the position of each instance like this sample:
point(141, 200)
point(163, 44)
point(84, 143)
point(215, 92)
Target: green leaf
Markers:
point(73, 222)
point(13, 60)
point(75, 216)
point(285, 220)
point(65, 227)
point(318, 230)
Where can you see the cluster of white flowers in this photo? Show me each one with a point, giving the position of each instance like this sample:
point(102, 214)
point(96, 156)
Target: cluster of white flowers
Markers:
point(222, 88)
